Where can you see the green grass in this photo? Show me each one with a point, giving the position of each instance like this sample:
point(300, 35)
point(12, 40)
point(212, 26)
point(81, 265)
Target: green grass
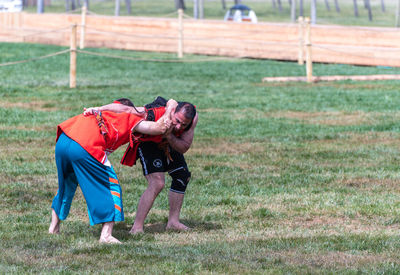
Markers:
point(286, 178)
point(264, 9)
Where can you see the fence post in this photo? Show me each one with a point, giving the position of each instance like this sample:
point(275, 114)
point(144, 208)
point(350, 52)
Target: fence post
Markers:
point(83, 28)
point(180, 35)
point(308, 51)
point(301, 41)
point(72, 54)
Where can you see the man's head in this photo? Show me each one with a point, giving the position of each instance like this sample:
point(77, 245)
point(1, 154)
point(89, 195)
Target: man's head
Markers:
point(183, 116)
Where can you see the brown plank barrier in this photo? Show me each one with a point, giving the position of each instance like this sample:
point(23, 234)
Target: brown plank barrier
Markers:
point(330, 44)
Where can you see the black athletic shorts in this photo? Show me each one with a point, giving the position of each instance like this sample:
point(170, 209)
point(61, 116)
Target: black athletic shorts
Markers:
point(154, 159)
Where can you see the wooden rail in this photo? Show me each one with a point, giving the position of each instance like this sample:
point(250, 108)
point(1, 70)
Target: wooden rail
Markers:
point(330, 44)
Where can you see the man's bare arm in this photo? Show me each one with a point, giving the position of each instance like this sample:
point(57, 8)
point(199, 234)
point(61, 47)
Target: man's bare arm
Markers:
point(182, 144)
point(152, 128)
point(116, 108)
point(121, 108)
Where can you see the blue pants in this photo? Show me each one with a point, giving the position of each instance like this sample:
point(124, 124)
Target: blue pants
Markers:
point(99, 183)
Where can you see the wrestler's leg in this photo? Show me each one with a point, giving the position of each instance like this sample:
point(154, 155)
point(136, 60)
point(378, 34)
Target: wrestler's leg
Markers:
point(156, 182)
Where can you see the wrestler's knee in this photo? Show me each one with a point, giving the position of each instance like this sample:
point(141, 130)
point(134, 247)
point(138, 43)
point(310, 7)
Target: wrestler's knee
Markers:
point(156, 181)
point(180, 180)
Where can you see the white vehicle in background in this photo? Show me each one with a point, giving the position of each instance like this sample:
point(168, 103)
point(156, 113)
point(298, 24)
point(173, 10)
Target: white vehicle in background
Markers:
point(240, 13)
point(10, 5)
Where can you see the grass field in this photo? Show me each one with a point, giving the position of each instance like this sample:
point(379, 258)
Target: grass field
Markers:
point(286, 178)
point(264, 9)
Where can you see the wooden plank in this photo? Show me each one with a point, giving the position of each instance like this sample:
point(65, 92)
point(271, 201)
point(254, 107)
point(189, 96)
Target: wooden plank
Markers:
point(331, 44)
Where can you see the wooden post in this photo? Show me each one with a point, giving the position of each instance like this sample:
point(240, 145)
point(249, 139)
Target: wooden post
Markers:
point(72, 54)
point(180, 35)
point(83, 28)
point(308, 51)
point(300, 60)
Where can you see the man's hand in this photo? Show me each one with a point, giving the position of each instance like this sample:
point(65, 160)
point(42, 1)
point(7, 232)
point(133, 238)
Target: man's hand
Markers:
point(171, 106)
point(90, 111)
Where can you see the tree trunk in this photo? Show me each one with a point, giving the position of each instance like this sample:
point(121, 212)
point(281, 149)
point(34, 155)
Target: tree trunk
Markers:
point(67, 5)
point(337, 6)
point(274, 4)
point(355, 8)
point(128, 6)
point(279, 5)
point(237, 2)
point(301, 8)
point(369, 9)
point(313, 12)
point(40, 6)
point(196, 9)
point(117, 7)
point(327, 5)
point(293, 10)
point(223, 4)
point(383, 6)
point(398, 14)
point(180, 4)
point(201, 9)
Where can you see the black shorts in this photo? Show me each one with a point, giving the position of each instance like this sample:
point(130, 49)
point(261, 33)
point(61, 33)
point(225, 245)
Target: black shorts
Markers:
point(154, 160)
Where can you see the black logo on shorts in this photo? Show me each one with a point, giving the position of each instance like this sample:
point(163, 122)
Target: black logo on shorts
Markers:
point(157, 163)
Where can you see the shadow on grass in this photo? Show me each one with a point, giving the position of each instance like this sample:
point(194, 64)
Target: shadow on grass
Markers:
point(198, 226)
point(121, 230)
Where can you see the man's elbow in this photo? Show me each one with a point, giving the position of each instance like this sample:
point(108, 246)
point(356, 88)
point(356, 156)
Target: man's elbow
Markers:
point(183, 148)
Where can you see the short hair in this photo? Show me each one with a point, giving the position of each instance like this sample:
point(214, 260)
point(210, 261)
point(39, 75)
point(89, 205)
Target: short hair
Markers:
point(125, 101)
point(187, 109)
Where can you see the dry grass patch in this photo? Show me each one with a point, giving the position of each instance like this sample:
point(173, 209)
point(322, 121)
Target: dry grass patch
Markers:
point(370, 183)
point(332, 259)
point(28, 148)
point(378, 138)
point(336, 85)
point(328, 225)
point(38, 105)
point(328, 118)
point(221, 146)
point(29, 128)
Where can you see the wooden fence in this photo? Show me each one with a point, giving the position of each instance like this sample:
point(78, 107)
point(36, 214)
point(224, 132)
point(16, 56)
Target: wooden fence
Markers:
point(330, 44)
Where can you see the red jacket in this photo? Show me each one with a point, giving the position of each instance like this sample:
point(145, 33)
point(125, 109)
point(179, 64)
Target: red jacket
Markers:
point(102, 134)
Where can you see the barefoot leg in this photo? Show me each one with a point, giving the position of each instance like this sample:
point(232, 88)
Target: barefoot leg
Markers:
point(106, 232)
point(55, 223)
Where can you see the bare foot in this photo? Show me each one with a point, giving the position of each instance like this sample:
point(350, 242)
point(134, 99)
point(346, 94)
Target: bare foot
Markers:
point(54, 228)
point(136, 231)
point(55, 223)
point(177, 226)
point(110, 240)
